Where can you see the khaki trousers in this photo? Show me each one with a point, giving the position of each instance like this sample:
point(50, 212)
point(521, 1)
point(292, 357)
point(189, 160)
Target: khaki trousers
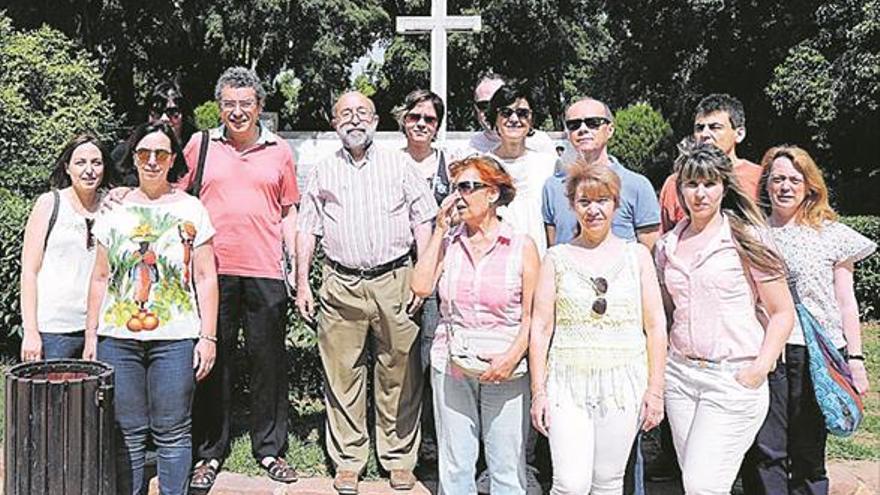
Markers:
point(353, 311)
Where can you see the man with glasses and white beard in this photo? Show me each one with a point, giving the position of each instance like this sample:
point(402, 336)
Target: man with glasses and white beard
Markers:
point(367, 204)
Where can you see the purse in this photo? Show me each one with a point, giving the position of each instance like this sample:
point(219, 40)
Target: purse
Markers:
point(466, 345)
point(838, 399)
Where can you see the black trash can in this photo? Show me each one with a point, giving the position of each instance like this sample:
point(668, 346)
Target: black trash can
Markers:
point(59, 428)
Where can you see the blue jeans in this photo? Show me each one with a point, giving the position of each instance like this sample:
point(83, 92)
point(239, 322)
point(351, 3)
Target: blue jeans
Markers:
point(63, 345)
point(466, 410)
point(154, 384)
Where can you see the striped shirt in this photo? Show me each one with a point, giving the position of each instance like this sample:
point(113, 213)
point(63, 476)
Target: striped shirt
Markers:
point(486, 295)
point(365, 212)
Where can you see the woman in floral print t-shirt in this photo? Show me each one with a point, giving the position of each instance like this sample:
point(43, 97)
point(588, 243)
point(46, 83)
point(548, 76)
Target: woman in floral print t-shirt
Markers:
point(152, 310)
point(820, 254)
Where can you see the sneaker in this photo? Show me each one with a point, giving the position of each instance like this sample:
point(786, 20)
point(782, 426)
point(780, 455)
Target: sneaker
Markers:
point(533, 486)
point(483, 483)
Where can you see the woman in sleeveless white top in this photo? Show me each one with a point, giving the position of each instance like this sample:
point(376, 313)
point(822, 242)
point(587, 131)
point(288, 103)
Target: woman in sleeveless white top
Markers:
point(598, 344)
point(59, 251)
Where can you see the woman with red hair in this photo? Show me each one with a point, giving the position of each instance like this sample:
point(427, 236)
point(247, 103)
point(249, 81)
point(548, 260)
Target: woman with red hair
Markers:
point(820, 254)
point(485, 273)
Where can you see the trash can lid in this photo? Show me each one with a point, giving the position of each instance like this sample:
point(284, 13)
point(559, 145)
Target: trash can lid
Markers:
point(61, 370)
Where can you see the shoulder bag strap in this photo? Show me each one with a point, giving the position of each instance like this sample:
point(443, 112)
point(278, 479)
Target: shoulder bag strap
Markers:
point(196, 188)
point(56, 203)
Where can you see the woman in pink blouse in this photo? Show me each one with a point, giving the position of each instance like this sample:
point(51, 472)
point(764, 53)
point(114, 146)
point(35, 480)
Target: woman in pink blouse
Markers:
point(485, 274)
point(731, 312)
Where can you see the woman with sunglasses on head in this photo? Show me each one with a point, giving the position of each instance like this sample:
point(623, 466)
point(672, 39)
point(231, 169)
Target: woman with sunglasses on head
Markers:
point(485, 274)
point(731, 313)
point(512, 116)
point(419, 118)
point(166, 103)
point(598, 342)
point(152, 310)
point(59, 251)
point(820, 254)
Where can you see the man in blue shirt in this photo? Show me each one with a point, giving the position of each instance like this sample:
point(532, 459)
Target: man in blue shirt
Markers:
point(590, 125)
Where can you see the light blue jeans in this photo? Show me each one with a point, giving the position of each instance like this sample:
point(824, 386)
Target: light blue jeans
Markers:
point(466, 410)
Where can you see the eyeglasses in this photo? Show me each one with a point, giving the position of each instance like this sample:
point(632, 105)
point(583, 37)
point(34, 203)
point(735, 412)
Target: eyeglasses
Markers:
point(600, 285)
point(230, 105)
point(592, 123)
point(171, 112)
point(468, 186)
point(414, 118)
point(363, 113)
point(521, 113)
point(142, 156)
point(482, 105)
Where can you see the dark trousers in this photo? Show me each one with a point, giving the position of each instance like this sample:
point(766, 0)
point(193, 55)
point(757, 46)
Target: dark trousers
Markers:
point(788, 456)
point(258, 305)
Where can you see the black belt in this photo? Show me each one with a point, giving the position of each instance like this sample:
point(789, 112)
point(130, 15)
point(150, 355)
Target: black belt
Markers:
point(370, 272)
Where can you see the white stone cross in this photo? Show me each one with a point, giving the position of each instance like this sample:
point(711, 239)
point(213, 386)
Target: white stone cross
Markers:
point(438, 24)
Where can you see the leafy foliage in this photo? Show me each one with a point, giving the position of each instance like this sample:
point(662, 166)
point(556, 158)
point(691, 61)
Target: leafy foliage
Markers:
point(50, 90)
point(14, 211)
point(207, 115)
point(641, 136)
point(867, 276)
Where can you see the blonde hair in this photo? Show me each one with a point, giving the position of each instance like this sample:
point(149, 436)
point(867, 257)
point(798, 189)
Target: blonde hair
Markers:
point(814, 210)
point(598, 179)
point(705, 161)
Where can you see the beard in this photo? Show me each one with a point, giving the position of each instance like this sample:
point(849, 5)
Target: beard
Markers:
point(356, 139)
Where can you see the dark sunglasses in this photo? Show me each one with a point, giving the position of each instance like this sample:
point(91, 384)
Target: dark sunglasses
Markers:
point(482, 106)
point(592, 123)
point(90, 238)
point(600, 285)
point(142, 156)
point(414, 118)
point(521, 113)
point(171, 112)
point(468, 186)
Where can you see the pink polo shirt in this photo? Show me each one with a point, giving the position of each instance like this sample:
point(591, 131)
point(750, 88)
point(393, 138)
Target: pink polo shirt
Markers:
point(485, 295)
point(244, 193)
point(715, 316)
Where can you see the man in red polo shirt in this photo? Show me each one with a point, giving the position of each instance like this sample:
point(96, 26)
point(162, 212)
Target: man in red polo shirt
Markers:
point(249, 189)
point(721, 120)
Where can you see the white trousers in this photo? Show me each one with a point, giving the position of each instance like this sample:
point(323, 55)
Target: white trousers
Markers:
point(590, 449)
point(714, 420)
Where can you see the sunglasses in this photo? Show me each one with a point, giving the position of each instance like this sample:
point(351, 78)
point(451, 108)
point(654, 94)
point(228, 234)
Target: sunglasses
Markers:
point(521, 113)
point(90, 238)
point(482, 106)
point(592, 123)
point(468, 186)
point(414, 118)
point(600, 285)
point(142, 156)
point(171, 112)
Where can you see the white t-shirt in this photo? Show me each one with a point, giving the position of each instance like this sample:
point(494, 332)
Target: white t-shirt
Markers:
point(529, 173)
point(150, 293)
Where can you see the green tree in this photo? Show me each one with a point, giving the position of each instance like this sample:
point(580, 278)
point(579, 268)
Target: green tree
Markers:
point(641, 138)
point(50, 90)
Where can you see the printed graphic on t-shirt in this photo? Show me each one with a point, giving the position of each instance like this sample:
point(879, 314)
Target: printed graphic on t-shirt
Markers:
point(151, 279)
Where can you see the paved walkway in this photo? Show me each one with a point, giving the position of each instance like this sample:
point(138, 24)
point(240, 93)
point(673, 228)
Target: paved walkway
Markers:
point(847, 478)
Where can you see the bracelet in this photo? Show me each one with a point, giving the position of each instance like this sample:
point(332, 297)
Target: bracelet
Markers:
point(539, 394)
point(209, 338)
point(856, 357)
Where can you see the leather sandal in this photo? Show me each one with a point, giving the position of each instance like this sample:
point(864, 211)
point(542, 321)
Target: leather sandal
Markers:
point(279, 470)
point(204, 474)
